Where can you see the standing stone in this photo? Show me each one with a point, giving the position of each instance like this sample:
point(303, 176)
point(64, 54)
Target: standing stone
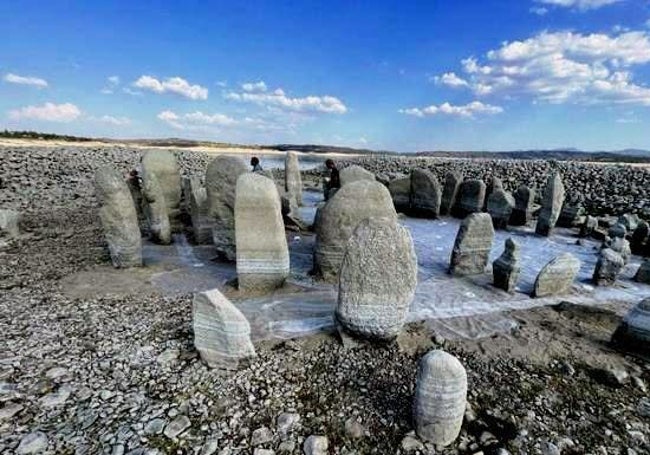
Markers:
point(472, 246)
point(119, 219)
point(620, 245)
point(221, 332)
point(589, 226)
point(617, 231)
point(426, 193)
point(355, 173)
point(471, 197)
point(630, 221)
point(377, 279)
point(292, 178)
point(220, 184)
point(400, 192)
point(262, 251)
point(643, 273)
point(609, 265)
point(640, 238)
point(155, 209)
point(440, 398)
point(634, 330)
point(339, 218)
point(453, 180)
point(557, 276)
point(493, 184)
point(198, 209)
point(163, 164)
point(522, 213)
point(572, 212)
point(9, 221)
point(551, 205)
point(499, 205)
point(506, 268)
point(135, 187)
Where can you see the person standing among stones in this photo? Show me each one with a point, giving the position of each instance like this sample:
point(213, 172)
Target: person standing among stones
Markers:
point(334, 182)
point(255, 162)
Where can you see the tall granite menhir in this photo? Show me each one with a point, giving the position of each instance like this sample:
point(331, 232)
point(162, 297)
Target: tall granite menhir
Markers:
point(198, 210)
point(450, 189)
point(155, 209)
point(119, 219)
point(472, 246)
point(292, 179)
point(338, 219)
point(262, 251)
point(220, 184)
point(551, 205)
point(426, 194)
point(377, 279)
point(471, 198)
point(163, 164)
point(522, 213)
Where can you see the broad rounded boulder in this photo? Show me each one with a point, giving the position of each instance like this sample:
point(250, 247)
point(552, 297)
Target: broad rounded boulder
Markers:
point(472, 246)
point(609, 265)
point(377, 279)
point(163, 164)
point(355, 173)
point(557, 276)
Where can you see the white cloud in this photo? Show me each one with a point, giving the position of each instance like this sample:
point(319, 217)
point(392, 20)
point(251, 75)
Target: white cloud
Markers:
point(25, 80)
point(468, 110)
point(564, 67)
point(257, 93)
point(50, 112)
point(195, 120)
point(450, 79)
point(539, 10)
point(176, 85)
point(112, 82)
point(582, 5)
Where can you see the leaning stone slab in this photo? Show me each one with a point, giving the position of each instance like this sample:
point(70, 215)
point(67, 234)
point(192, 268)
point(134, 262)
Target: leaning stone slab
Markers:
point(472, 246)
point(198, 209)
point(262, 251)
point(355, 173)
point(551, 205)
point(453, 180)
point(609, 265)
point(338, 219)
point(471, 197)
point(426, 194)
point(163, 164)
point(440, 398)
point(221, 332)
point(9, 221)
point(220, 184)
point(557, 276)
point(506, 268)
point(119, 219)
point(522, 213)
point(292, 178)
point(400, 192)
point(634, 330)
point(499, 205)
point(377, 279)
point(155, 209)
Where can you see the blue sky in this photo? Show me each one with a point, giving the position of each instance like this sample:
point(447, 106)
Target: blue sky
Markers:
point(405, 76)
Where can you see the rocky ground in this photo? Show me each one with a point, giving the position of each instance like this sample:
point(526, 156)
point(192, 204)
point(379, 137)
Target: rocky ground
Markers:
point(118, 373)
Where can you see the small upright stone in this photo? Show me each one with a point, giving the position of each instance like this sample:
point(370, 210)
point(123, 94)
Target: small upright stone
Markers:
point(640, 238)
point(522, 213)
point(643, 273)
point(609, 265)
point(471, 198)
point(119, 219)
point(620, 245)
point(220, 184)
point(163, 164)
point(453, 181)
point(355, 173)
point(630, 221)
point(262, 251)
point(589, 226)
point(551, 205)
point(506, 268)
point(198, 210)
point(472, 246)
point(221, 332)
point(617, 231)
point(440, 398)
point(9, 221)
point(557, 276)
point(377, 279)
point(572, 212)
point(499, 205)
point(426, 193)
point(155, 209)
point(400, 192)
point(292, 179)
point(493, 184)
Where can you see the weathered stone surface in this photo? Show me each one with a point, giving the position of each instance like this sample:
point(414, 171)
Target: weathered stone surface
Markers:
point(339, 218)
point(493, 184)
point(426, 193)
point(197, 201)
point(472, 246)
point(440, 398)
point(506, 268)
point(499, 205)
point(119, 219)
point(629, 220)
point(220, 184)
point(609, 265)
point(163, 164)
point(316, 445)
point(557, 276)
point(551, 205)
point(262, 251)
point(617, 230)
point(471, 197)
point(522, 213)
point(32, 443)
point(572, 212)
point(400, 192)
point(453, 180)
point(292, 178)
point(634, 330)
point(643, 273)
point(355, 173)
point(221, 332)
point(155, 209)
point(9, 222)
point(639, 241)
point(589, 226)
point(620, 245)
point(377, 279)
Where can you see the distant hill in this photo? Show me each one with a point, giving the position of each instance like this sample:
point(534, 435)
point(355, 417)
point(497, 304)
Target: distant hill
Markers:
point(627, 155)
point(312, 148)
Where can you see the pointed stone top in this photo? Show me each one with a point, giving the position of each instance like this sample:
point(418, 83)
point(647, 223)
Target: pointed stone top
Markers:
point(511, 246)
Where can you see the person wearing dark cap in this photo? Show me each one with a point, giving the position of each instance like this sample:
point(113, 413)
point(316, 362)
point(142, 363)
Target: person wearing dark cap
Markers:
point(255, 162)
point(334, 181)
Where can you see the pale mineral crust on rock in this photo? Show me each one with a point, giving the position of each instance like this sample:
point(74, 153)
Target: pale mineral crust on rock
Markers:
point(471, 197)
point(377, 279)
point(472, 246)
point(221, 332)
point(453, 180)
point(426, 193)
point(163, 164)
point(119, 219)
point(440, 398)
point(355, 173)
point(220, 184)
point(338, 219)
point(292, 178)
point(262, 251)
point(551, 205)
point(506, 268)
point(499, 205)
point(155, 209)
point(557, 276)
point(608, 267)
